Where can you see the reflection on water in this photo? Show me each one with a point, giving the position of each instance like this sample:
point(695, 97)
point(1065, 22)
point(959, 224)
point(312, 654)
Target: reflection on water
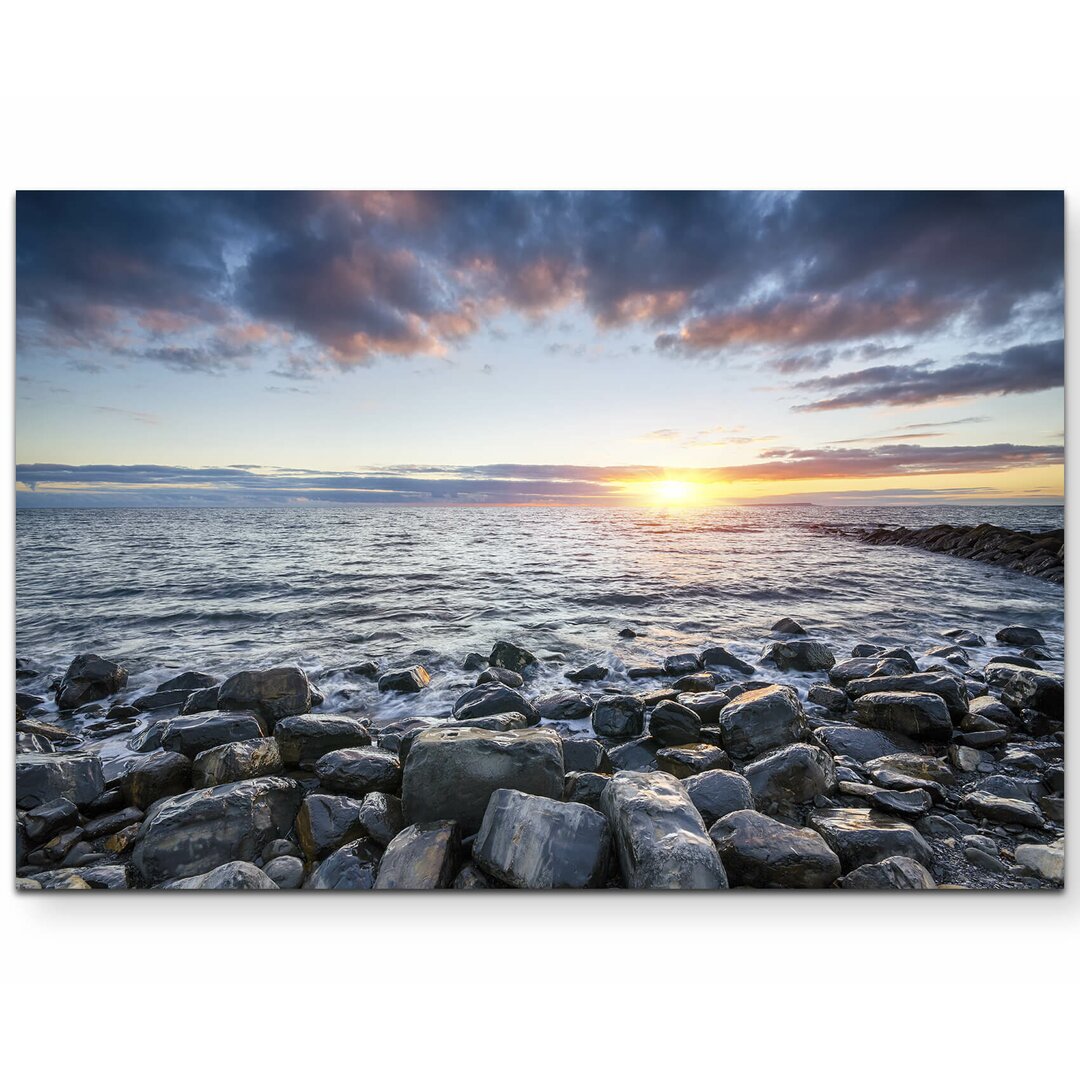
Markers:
point(224, 589)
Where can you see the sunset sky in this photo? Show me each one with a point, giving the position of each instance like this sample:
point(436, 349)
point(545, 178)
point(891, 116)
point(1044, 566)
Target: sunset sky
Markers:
point(263, 348)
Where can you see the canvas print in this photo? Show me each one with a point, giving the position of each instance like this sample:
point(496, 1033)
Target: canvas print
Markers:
point(605, 540)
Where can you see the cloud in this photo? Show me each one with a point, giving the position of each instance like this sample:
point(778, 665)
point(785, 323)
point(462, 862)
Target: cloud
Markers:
point(52, 484)
point(1022, 369)
point(130, 414)
point(201, 281)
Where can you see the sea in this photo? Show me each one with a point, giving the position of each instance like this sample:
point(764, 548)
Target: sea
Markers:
point(221, 590)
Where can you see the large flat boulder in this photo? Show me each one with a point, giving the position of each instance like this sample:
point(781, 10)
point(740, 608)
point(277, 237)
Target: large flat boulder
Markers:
point(44, 777)
point(918, 715)
point(270, 694)
point(451, 773)
point(305, 738)
point(761, 720)
point(759, 852)
point(532, 842)
point(950, 688)
point(195, 832)
point(359, 771)
point(659, 835)
point(867, 836)
point(191, 735)
point(862, 744)
point(491, 699)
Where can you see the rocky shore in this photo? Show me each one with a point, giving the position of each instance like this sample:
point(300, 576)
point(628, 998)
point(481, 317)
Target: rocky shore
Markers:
point(883, 770)
point(1040, 554)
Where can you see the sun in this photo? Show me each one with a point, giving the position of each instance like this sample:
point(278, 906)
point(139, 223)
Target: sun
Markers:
point(675, 492)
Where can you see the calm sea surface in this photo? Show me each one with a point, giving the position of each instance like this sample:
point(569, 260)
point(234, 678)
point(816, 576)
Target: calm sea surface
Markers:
point(220, 590)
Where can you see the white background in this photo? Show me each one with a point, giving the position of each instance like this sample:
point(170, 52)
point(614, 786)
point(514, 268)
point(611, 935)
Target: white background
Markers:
point(559, 94)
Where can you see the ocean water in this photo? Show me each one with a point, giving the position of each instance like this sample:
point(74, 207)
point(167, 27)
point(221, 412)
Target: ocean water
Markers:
point(219, 590)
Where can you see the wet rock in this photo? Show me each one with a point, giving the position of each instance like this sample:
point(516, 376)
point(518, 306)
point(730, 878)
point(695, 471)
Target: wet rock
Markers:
point(590, 673)
point(504, 654)
point(122, 712)
point(29, 884)
point(1000, 674)
point(626, 632)
point(1038, 652)
point(1042, 691)
point(950, 688)
point(1007, 811)
point(761, 720)
point(717, 793)
point(964, 637)
point(672, 724)
point(500, 675)
point(919, 716)
point(563, 705)
point(759, 852)
point(585, 787)
point(913, 803)
point(902, 771)
point(659, 835)
point(200, 701)
point(326, 822)
point(167, 699)
point(302, 740)
point(61, 879)
point(896, 872)
point(42, 778)
point(106, 877)
point(860, 743)
point(408, 681)
point(271, 694)
point(191, 735)
point(707, 706)
point(354, 866)
point(195, 832)
point(286, 872)
point(868, 836)
point(242, 760)
point(188, 680)
point(423, 856)
point(965, 758)
point(232, 875)
point(848, 671)
point(531, 842)
point(684, 761)
point(1046, 860)
point(119, 843)
point(993, 710)
point(799, 655)
point(682, 664)
point(828, 697)
point(1020, 635)
point(699, 682)
point(451, 774)
point(470, 876)
point(584, 755)
point(158, 775)
point(952, 654)
point(619, 716)
point(359, 771)
point(381, 817)
point(1015, 661)
point(50, 818)
point(474, 662)
point(89, 678)
point(492, 699)
point(787, 626)
point(985, 861)
point(26, 702)
point(112, 823)
point(645, 671)
point(789, 777)
point(716, 656)
point(637, 755)
point(276, 848)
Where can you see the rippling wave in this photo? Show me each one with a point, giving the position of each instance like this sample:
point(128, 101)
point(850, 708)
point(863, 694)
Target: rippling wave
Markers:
point(163, 590)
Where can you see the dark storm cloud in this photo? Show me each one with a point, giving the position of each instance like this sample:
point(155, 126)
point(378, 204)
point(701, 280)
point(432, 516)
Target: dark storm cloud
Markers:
point(1022, 369)
point(361, 275)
